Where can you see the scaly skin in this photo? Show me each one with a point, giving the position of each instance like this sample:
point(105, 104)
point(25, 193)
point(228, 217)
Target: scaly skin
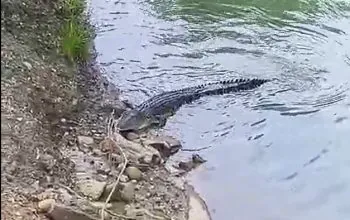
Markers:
point(155, 111)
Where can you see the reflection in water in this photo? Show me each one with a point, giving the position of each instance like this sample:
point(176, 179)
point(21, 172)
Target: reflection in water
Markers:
point(280, 150)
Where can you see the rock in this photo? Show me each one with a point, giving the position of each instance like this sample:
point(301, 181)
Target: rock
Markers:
point(132, 136)
point(150, 160)
point(128, 192)
point(45, 205)
point(75, 101)
point(92, 188)
point(116, 194)
point(124, 179)
point(171, 168)
point(187, 166)
point(60, 212)
point(145, 159)
point(85, 140)
point(133, 173)
point(132, 149)
point(28, 65)
point(197, 159)
point(100, 205)
point(46, 162)
point(103, 171)
point(96, 152)
point(166, 145)
point(193, 163)
point(156, 160)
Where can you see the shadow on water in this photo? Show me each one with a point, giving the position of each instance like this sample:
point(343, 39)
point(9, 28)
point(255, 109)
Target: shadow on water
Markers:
point(279, 151)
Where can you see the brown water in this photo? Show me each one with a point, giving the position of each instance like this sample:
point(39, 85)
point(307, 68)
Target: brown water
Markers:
point(279, 152)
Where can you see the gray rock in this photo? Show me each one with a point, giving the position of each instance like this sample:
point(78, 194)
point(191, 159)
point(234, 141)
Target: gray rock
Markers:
point(85, 140)
point(151, 160)
point(193, 163)
point(60, 212)
point(100, 205)
point(96, 152)
point(187, 166)
point(124, 179)
point(132, 136)
point(197, 159)
point(133, 173)
point(45, 205)
point(116, 194)
point(75, 101)
point(166, 145)
point(128, 192)
point(92, 188)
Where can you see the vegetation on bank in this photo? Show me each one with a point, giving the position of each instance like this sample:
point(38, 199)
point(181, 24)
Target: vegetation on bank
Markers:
point(76, 32)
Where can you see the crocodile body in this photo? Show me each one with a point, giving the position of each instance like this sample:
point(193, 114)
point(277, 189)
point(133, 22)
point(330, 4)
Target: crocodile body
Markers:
point(156, 110)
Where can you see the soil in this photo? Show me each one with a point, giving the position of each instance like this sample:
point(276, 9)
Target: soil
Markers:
point(54, 132)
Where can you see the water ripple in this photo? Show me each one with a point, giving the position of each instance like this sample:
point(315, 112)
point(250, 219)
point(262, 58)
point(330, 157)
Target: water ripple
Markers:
point(306, 105)
point(234, 50)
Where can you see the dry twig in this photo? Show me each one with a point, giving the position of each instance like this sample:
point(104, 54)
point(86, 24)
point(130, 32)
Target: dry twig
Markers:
point(111, 130)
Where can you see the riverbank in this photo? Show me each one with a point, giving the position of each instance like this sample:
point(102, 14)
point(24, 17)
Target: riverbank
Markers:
point(58, 155)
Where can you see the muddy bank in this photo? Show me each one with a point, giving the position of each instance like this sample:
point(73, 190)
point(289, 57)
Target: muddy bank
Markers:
point(59, 155)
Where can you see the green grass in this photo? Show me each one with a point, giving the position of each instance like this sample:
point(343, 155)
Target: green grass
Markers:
point(75, 34)
point(73, 8)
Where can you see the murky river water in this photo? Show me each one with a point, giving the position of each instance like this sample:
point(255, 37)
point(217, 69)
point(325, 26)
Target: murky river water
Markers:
point(279, 152)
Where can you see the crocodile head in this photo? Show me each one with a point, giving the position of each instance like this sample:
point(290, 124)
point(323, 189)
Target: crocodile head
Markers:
point(134, 120)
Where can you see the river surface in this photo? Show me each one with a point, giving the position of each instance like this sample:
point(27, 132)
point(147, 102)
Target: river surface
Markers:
point(278, 152)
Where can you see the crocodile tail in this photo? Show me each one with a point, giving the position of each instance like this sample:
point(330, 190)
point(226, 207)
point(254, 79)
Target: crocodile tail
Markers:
point(228, 86)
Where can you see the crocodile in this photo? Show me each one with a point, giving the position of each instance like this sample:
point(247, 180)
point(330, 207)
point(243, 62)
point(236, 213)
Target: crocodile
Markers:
point(155, 111)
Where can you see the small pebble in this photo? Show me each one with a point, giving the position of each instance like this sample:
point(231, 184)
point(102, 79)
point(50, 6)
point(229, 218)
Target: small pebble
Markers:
point(133, 173)
point(45, 205)
point(85, 140)
point(28, 65)
point(124, 179)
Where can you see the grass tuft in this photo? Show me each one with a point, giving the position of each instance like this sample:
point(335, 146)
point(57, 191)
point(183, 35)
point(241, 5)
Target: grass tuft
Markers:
point(73, 8)
point(75, 41)
point(75, 34)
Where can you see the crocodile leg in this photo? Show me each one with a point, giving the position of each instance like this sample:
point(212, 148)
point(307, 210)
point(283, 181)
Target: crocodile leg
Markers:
point(162, 121)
